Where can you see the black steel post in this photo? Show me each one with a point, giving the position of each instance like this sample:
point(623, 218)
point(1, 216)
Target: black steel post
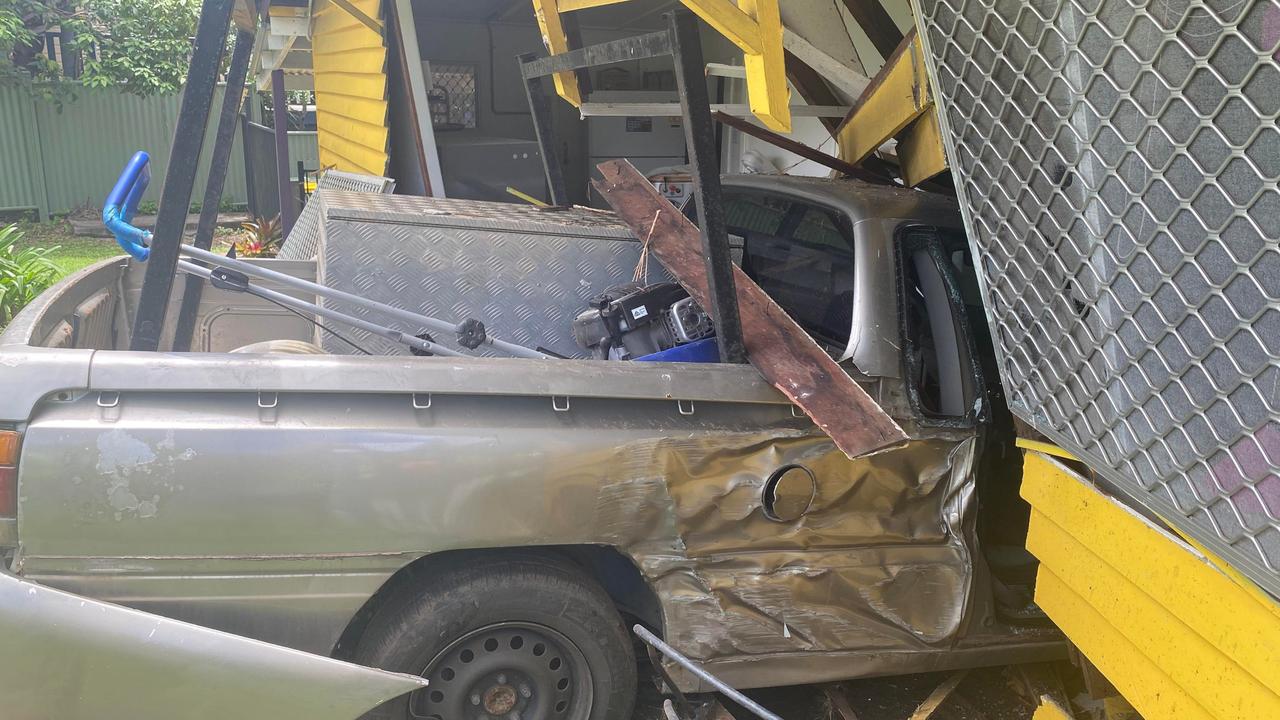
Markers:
point(223, 140)
point(250, 182)
point(700, 136)
point(280, 121)
point(180, 175)
point(302, 185)
point(540, 111)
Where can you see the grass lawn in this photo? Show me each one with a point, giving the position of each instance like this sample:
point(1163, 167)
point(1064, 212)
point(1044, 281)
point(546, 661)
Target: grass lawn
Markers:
point(72, 252)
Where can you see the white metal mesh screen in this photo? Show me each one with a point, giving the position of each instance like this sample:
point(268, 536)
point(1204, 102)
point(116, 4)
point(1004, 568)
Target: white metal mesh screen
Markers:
point(1118, 163)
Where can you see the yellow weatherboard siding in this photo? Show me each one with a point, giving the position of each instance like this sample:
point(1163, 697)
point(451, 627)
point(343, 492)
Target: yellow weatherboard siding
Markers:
point(1178, 637)
point(349, 62)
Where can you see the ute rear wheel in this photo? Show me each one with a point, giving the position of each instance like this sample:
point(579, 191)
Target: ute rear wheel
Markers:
point(523, 638)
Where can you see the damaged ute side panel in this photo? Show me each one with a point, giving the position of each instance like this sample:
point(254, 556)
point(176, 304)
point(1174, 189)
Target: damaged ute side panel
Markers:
point(194, 505)
point(274, 496)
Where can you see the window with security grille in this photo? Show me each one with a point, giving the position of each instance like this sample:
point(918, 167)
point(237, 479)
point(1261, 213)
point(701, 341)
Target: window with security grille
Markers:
point(452, 96)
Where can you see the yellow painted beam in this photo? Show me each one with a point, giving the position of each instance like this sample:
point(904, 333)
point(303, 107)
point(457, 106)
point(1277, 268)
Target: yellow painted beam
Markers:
point(767, 89)
point(1178, 637)
point(571, 5)
point(547, 13)
point(741, 28)
point(897, 95)
point(920, 152)
point(1044, 447)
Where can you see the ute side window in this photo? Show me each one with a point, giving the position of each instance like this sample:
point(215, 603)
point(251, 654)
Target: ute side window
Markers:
point(801, 254)
point(938, 351)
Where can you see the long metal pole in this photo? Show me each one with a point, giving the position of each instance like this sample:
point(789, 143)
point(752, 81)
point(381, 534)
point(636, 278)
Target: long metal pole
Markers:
point(341, 296)
point(223, 140)
point(700, 135)
point(180, 175)
point(280, 119)
point(303, 306)
point(715, 682)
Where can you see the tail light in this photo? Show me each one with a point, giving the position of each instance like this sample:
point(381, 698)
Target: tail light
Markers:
point(9, 443)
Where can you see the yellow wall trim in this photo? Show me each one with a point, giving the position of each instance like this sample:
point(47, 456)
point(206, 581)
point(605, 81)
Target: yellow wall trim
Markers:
point(349, 62)
point(1176, 636)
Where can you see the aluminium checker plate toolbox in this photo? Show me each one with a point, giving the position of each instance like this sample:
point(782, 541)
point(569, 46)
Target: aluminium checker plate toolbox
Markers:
point(525, 272)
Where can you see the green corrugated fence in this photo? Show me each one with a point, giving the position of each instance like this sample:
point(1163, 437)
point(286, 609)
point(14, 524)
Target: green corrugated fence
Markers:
point(55, 161)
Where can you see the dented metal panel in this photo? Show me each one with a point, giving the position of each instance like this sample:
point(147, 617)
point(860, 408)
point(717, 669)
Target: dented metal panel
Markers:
point(72, 658)
point(334, 489)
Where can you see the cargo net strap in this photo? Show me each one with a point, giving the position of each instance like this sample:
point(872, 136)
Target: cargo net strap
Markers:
point(1118, 171)
point(304, 240)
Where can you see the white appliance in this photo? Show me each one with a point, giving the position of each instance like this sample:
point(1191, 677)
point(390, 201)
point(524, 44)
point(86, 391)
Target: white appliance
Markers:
point(648, 142)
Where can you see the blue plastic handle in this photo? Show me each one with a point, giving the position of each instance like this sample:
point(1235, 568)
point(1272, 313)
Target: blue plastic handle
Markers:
point(122, 203)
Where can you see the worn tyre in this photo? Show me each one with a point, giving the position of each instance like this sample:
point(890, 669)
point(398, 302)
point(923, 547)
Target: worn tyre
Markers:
point(521, 637)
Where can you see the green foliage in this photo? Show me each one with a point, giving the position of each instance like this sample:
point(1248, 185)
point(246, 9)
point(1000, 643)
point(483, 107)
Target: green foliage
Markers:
point(25, 272)
point(143, 46)
point(262, 237)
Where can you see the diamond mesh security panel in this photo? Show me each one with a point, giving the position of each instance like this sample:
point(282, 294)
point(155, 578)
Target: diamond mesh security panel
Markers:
point(1118, 163)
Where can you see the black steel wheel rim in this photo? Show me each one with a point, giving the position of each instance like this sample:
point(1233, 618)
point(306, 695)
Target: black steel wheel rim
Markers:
point(507, 671)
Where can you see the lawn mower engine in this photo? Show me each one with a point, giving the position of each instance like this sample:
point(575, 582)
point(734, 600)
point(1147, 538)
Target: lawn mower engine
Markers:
point(631, 321)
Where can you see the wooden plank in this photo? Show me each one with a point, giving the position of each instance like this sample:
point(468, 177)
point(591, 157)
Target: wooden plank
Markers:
point(938, 696)
point(812, 88)
point(848, 80)
point(798, 148)
point(779, 348)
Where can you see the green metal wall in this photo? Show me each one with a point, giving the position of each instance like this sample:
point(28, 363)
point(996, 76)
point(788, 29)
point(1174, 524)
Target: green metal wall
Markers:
point(56, 160)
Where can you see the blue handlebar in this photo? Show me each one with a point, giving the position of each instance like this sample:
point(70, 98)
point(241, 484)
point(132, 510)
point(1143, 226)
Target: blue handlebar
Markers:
point(122, 203)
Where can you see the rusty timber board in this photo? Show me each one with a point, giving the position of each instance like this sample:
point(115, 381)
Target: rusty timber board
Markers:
point(779, 348)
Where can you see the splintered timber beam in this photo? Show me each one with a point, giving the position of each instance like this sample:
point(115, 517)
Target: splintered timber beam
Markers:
point(779, 348)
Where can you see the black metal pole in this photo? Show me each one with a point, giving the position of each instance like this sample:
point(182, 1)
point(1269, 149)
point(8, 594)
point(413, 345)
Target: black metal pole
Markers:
point(302, 185)
point(223, 140)
point(540, 111)
point(700, 135)
point(180, 175)
point(280, 119)
point(251, 185)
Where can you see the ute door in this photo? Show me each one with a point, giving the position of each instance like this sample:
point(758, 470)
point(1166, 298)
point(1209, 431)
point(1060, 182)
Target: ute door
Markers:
point(796, 548)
